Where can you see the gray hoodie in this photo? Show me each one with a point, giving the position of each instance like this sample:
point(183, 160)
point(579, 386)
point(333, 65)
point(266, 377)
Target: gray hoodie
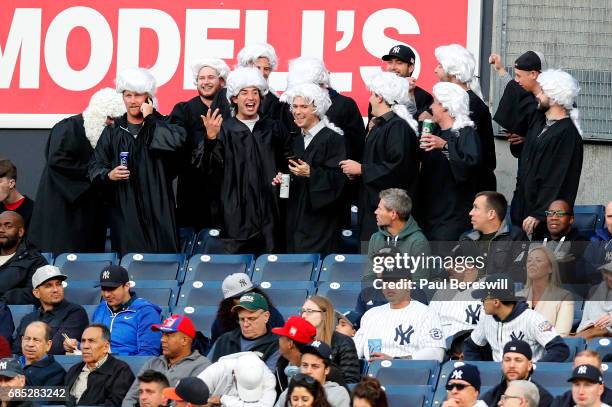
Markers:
point(337, 396)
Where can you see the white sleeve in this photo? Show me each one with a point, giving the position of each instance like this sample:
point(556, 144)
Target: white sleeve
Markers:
point(542, 330)
point(431, 328)
point(269, 388)
point(281, 399)
point(565, 317)
point(211, 376)
point(478, 335)
point(429, 354)
point(360, 338)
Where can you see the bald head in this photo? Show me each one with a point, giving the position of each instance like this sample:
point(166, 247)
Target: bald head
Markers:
point(11, 232)
point(13, 217)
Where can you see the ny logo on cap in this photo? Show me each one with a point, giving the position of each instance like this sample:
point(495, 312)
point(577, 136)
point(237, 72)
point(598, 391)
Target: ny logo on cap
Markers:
point(170, 321)
point(395, 50)
point(316, 344)
point(292, 331)
point(457, 375)
point(105, 275)
point(2, 365)
point(242, 282)
point(582, 370)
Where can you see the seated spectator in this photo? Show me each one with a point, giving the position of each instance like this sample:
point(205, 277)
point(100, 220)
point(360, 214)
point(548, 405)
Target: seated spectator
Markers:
point(346, 323)
point(130, 316)
point(239, 379)
point(254, 333)
point(597, 314)
point(189, 392)
point(234, 286)
point(463, 387)
point(316, 362)
point(63, 317)
point(520, 393)
point(100, 379)
point(516, 365)
point(503, 309)
point(18, 261)
point(40, 368)
point(151, 385)
point(177, 359)
point(369, 393)
point(544, 293)
point(319, 311)
point(10, 198)
point(585, 357)
point(599, 251)
point(12, 376)
point(6, 327)
point(304, 391)
point(587, 386)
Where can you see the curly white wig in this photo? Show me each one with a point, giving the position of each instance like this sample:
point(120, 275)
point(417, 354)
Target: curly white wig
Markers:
point(563, 89)
point(139, 80)
point(307, 70)
point(312, 93)
point(217, 64)
point(250, 53)
point(394, 91)
point(460, 63)
point(241, 78)
point(106, 102)
point(456, 101)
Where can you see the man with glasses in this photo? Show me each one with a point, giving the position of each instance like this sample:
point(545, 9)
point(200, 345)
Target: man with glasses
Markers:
point(253, 334)
point(463, 387)
point(520, 393)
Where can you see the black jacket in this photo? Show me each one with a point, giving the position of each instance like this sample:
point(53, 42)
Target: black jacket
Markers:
point(344, 355)
point(16, 275)
point(566, 399)
point(229, 343)
point(480, 115)
point(107, 385)
point(492, 396)
point(45, 372)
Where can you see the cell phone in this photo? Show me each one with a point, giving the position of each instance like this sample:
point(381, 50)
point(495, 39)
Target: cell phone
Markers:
point(150, 101)
point(292, 158)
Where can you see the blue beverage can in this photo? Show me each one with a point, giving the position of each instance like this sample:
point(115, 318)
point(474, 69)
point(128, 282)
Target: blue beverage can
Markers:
point(375, 345)
point(123, 158)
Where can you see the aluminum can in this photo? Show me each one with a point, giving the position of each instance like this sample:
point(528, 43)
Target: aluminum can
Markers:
point(123, 158)
point(284, 186)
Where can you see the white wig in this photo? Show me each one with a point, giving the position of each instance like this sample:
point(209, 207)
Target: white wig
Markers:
point(312, 93)
point(250, 53)
point(241, 78)
point(106, 102)
point(307, 70)
point(217, 64)
point(394, 91)
point(562, 89)
point(139, 80)
point(456, 100)
point(460, 63)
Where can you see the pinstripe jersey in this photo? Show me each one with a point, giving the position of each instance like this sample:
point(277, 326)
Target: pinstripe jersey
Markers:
point(457, 313)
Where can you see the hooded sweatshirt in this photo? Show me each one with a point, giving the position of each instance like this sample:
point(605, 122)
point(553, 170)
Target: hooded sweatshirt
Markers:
point(337, 396)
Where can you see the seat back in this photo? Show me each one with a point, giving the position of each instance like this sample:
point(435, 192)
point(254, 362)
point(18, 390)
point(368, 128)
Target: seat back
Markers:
point(588, 218)
point(343, 267)
point(153, 266)
point(198, 293)
point(84, 266)
point(208, 242)
point(205, 267)
point(279, 267)
point(342, 295)
point(405, 372)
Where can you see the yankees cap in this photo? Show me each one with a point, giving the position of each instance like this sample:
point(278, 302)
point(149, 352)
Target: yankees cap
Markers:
point(235, 285)
point(113, 276)
point(519, 346)
point(318, 348)
point(586, 372)
point(402, 52)
point(466, 372)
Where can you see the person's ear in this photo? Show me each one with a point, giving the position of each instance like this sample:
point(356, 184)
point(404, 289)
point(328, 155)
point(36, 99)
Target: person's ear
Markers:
point(48, 346)
point(571, 220)
point(36, 293)
point(266, 316)
point(222, 82)
point(410, 69)
point(234, 100)
point(21, 232)
point(327, 370)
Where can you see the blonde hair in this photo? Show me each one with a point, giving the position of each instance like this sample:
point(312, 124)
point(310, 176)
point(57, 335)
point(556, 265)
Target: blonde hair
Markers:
point(328, 326)
point(554, 279)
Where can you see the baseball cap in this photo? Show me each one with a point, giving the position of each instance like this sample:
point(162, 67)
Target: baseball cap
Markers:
point(236, 284)
point(518, 346)
point(606, 267)
point(249, 377)
point(10, 367)
point(467, 372)
point(46, 273)
point(113, 276)
point(530, 61)
point(498, 286)
point(318, 348)
point(176, 323)
point(297, 329)
point(586, 372)
point(351, 317)
point(190, 389)
point(252, 302)
point(402, 52)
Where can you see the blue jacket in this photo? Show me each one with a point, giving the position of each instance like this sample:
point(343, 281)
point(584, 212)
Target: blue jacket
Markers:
point(45, 372)
point(598, 253)
point(130, 328)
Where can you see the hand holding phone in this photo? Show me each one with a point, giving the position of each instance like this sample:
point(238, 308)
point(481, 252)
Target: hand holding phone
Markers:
point(147, 107)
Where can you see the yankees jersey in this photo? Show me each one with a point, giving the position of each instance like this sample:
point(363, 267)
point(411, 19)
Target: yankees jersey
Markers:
point(528, 325)
point(400, 332)
point(459, 313)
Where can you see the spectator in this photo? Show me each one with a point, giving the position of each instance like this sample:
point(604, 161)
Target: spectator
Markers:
point(12, 377)
point(18, 261)
point(319, 311)
point(253, 334)
point(131, 317)
point(585, 357)
point(6, 329)
point(346, 323)
point(5, 348)
point(234, 286)
point(40, 368)
point(10, 198)
point(177, 359)
point(516, 365)
point(599, 251)
point(463, 387)
point(189, 392)
point(151, 385)
point(369, 393)
point(544, 293)
point(100, 378)
point(62, 317)
point(587, 386)
point(239, 379)
point(520, 393)
point(304, 391)
point(597, 315)
point(316, 362)
point(503, 309)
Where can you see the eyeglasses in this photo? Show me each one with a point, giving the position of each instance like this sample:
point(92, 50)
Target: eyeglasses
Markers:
point(309, 311)
point(305, 378)
point(556, 213)
point(458, 386)
point(505, 397)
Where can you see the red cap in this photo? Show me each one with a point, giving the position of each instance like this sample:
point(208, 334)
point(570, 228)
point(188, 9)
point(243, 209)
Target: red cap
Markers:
point(176, 323)
point(297, 329)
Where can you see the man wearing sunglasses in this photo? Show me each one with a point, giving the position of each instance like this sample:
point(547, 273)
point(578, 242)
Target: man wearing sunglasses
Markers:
point(463, 387)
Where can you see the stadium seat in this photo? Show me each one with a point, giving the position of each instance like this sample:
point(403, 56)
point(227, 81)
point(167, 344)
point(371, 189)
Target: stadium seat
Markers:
point(343, 267)
point(588, 218)
point(354, 217)
point(187, 239)
point(18, 312)
point(550, 374)
point(48, 257)
point(601, 346)
point(204, 267)
point(208, 242)
point(67, 361)
point(405, 372)
point(342, 295)
point(198, 293)
point(287, 312)
point(135, 362)
point(294, 267)
point(82, 292)
point(349, 241)
point(287, 297)
point(575, 344)
point(152, 266)
point(413, 396)
point(84, 266)
point(162, 293)
point(202, 317)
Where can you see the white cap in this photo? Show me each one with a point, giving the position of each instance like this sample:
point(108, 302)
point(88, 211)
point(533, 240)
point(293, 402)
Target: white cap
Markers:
point(249, 373)
point(46, 273)
point(236, 284)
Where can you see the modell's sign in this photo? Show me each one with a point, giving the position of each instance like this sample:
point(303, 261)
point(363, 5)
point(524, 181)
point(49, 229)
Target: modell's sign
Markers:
point(54, 54)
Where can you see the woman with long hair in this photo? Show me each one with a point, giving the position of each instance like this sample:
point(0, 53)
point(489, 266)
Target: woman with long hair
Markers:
point(369, 393)
point(305, 391)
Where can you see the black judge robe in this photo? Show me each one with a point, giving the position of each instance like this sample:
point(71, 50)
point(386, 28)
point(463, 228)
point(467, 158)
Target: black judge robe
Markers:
point(313, 221)
point(68, 216)
point(142, 208)
point(390, 160)
point(480, 115)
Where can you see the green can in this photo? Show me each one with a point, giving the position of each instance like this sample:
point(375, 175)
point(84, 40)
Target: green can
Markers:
point(428, 128)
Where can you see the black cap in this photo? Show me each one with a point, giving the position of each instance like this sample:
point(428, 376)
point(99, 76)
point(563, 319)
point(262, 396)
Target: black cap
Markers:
point(529, 61)
point(467, 372)
point(519, 346)
point(113, 276)
point(586, 372)
point(10, 367)
point(402, 52)
point(497, 286)
point(190, 389)
point(318, 348)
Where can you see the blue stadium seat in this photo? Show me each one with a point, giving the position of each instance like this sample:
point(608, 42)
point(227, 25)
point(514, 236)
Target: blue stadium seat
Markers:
point(287, 312)
point(67, 361)
point(202, 317)
point(198, 293)
point(354, 217)
point(82, 292)
point(601, 346)
point(153, 266)
point(413, 396)
point(208, 242)
point(575, 344)
point(343, 267)
point(279, 267)
point(136, 362)
point(349, 241)
point(342, 295)
point(405, 372)
point(18, 312)
point(48, 257)
point(287, 297)
point(187, 239)
point(607, 368)
point(84, 266)
point(588, 218)
point(204, 267)
point(550, 374)
point(160, 292)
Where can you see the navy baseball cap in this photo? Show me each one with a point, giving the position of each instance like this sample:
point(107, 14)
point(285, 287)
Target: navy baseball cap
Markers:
point(113, 276)
point(518, 346)
point(402, 52)
point(318, 348)
point(586, 372)
point(466, 372)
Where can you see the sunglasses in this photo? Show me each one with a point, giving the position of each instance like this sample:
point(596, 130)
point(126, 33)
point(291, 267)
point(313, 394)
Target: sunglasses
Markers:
point(301, 377)
point(458, 386)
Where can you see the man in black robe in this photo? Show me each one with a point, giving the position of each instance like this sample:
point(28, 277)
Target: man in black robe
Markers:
point(141, 200)
point(250, 151)
point(69, 216)
point(317, 183)
point(197, 193)
point(390, 154)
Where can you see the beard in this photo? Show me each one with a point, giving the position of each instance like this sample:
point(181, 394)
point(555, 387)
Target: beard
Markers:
point(10, 242)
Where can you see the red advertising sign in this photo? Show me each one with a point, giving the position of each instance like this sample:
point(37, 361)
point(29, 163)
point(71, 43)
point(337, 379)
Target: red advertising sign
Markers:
point(54, 54)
